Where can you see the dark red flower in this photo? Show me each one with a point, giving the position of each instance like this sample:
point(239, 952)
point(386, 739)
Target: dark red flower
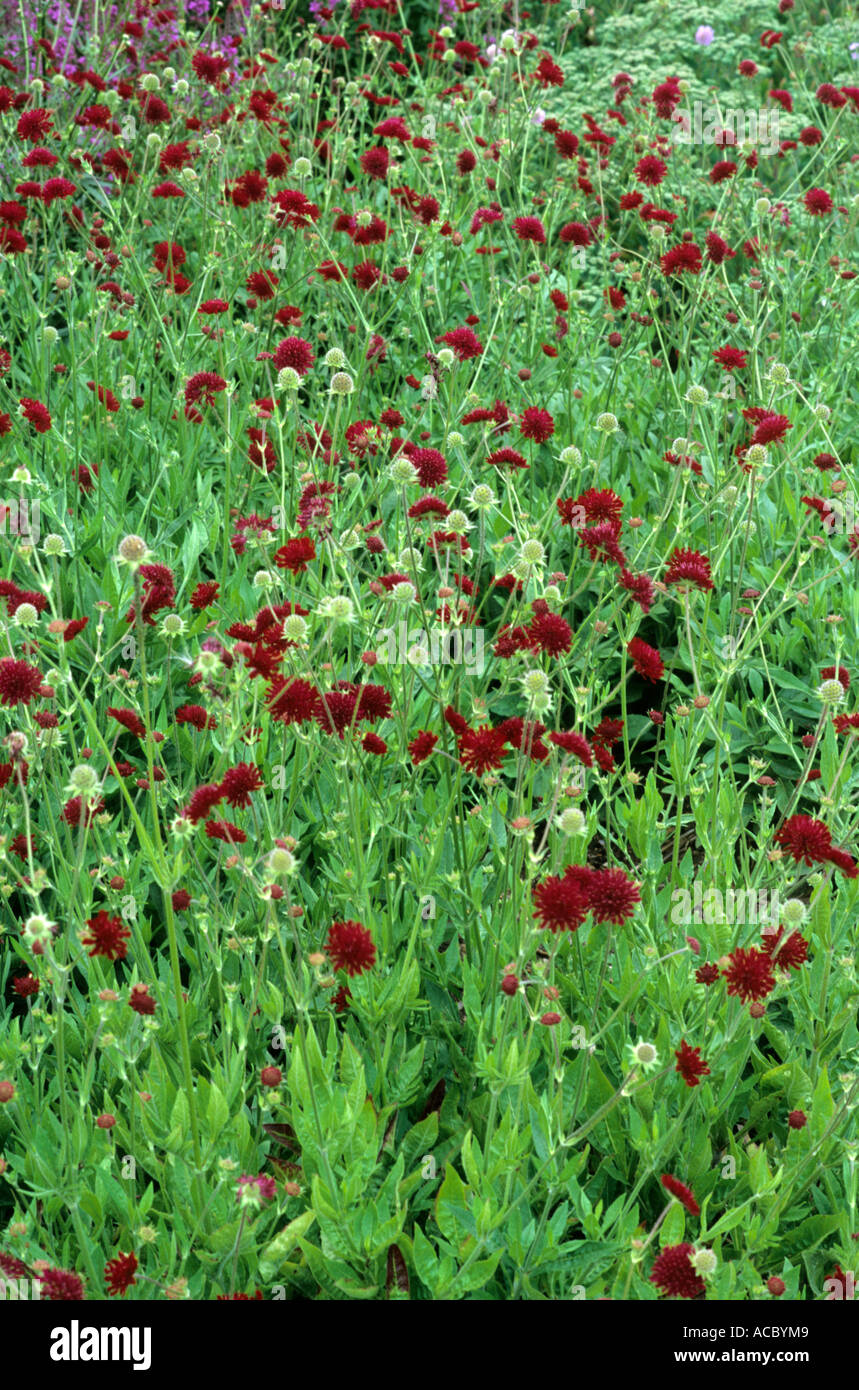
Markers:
point(685, 258)
point(646, 660)
point(562, 903)
point(612, 895)
point(650, 170)
point(141, 1001)
point(805, 839)
point(108, 936)
point(296, 353)
point(350, 947)
point(785, 952)
point(19, 682)
point(749, 974)
point(818, 202)
point(690, 1064)
point(673, 1272)
point(422, 746)
point(730, 358)
point(238, 783)
point(536, 424)
point(681, 1192)
point(689, 567)
point(119, 1274)
point(529, 229)
point(61, 1286)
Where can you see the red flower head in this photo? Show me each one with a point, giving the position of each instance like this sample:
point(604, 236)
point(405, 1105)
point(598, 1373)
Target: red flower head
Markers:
point(422, 746)
point(689, 567)
point(464, 343)
point(690, 1064)
point(107, 936)
point(36, 414)
point(818, 202)
point(683, 259)
point(61, 1286)
point(19, 682)
point(785, 952)
point(749, 974)
point(119, 1274)
point(238, 783)
point(294, 556)
point(646, 660)
point(350, 947)
point(296, 353)
point(529, 229)
point(681, 1192)
point(673, 1273)
point(536, 424)
point(562, 903)
point(730, 358)
point(805, 839)
point(612, 896)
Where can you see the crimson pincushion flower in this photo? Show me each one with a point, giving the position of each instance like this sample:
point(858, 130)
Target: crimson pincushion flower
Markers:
point(350, 947)
point(295, 554)
point(786, 952)
point(818, 202)
point(481, 750)
point(536, 424)
point(464, 343)
point(107, 936)
point(562, 903)
point(681, 1192)
point(202, 386)
point(422, 746)
point(61, 1286)
point(551, 633)
point(238, 783)
point(529, 229)
point(689, 567)
point(296, 353)
point(291, 701)
point(119, 1274)
point(646, 659)
point(612, 895)
point(673, 1272)
point(19, 682)
point(730, 358)
point(690, 1064)
point(683, 259)
point(650, 170)
point(805, 839)
point(749, 974)
point(35, 413)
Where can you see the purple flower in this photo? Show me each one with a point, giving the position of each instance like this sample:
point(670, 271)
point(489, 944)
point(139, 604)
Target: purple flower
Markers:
point(704, 34)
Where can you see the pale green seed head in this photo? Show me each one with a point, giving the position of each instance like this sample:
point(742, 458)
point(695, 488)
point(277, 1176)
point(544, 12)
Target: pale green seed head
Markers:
point(533, 552)
point(172, 625)
point(830, 692)
point(571, 821)
point(294, 628)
